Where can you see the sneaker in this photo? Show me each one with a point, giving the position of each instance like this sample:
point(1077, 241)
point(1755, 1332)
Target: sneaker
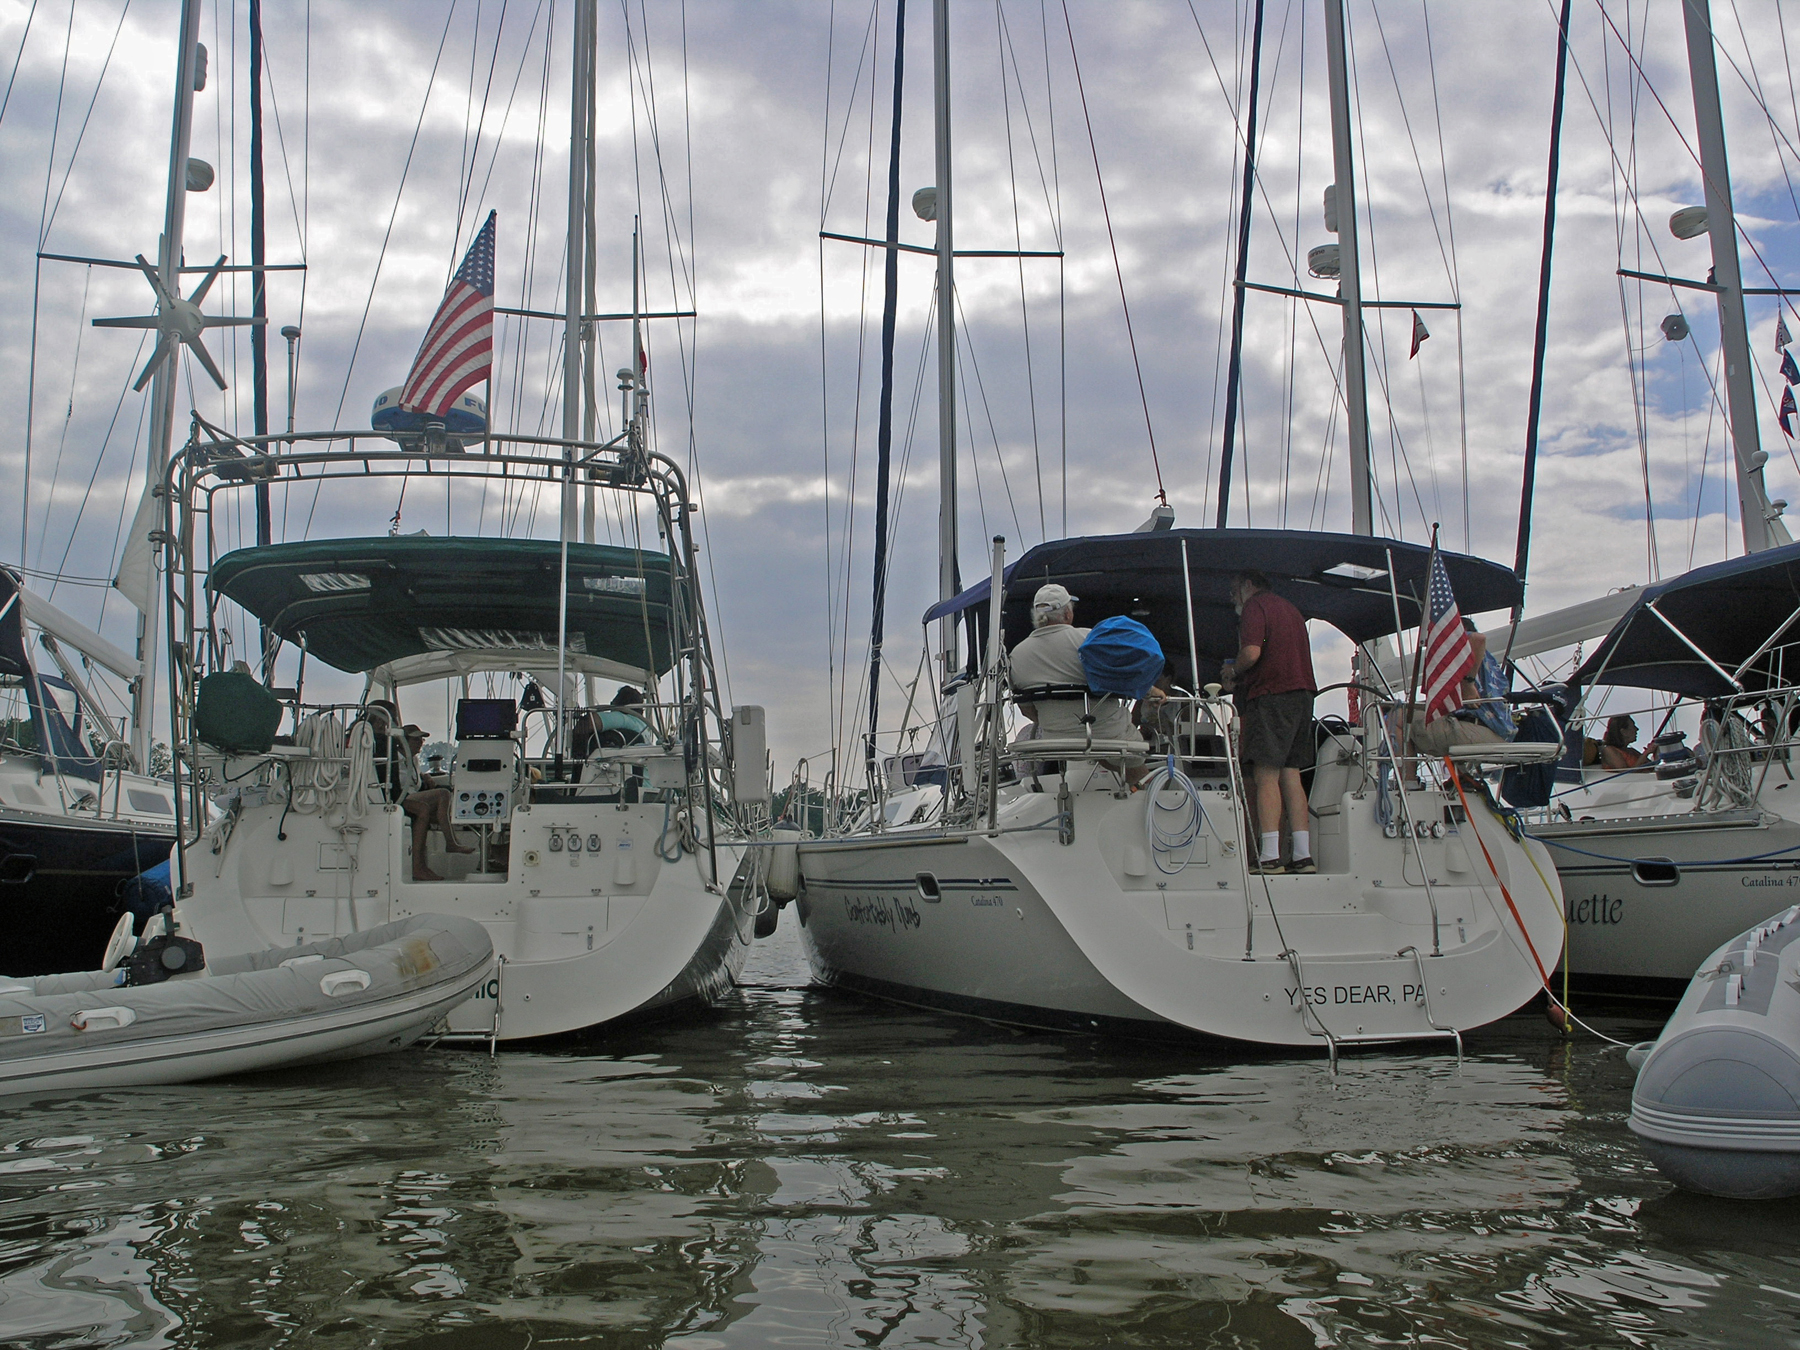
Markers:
point(1302, 866)
point(1270, 867)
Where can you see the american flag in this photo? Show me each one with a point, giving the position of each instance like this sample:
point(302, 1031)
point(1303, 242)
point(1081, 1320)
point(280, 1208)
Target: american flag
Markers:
point(1448, 655)
point(458, 350)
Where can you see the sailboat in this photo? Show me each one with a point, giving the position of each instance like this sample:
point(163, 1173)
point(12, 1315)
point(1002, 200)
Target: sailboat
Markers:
point(1663, 863)
point(601, 859)
point(1042, 884)
point(78, 820)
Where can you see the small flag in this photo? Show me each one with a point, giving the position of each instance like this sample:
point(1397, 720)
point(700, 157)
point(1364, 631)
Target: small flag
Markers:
point(1781, 333)
point(1448, 655)
point(458, 350)
point(1420, 333)
point(1786, 416)
point(1789, 371)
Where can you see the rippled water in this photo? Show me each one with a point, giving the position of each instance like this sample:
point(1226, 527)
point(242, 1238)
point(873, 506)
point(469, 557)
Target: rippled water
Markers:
point(806, 1170)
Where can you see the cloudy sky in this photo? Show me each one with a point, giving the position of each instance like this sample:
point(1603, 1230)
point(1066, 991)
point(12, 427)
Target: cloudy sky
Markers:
point(738, 131)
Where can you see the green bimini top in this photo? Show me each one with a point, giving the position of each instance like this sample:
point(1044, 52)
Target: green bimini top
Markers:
point(361, 603)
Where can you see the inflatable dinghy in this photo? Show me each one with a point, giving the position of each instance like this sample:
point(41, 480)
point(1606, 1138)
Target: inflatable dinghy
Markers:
point(1717, 1101)
point(168, 1016)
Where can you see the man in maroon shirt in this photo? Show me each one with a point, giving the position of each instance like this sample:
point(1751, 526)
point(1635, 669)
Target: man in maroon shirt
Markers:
point(1274, 669)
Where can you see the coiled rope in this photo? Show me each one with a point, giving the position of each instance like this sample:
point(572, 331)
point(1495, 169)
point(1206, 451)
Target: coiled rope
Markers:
point(338, 768)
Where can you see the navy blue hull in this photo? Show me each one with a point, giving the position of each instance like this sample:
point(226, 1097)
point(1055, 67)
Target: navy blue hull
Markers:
point(59, 889)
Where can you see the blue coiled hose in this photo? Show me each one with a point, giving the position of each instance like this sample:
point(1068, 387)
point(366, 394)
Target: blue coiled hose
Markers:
point(1172, 830)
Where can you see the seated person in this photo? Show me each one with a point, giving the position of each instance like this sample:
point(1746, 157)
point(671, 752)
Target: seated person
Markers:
point(1484, 718)
point(1050, 654)
point(1616, 753)
point(1152, 714)
point(426, 805)
point(611, 728)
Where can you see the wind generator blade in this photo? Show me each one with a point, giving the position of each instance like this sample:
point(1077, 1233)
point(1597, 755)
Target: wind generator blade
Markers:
point(206, 282)
point(198, 348)
point(155, 279)
point(157, 357)
point(136, 321)
point(207, 322)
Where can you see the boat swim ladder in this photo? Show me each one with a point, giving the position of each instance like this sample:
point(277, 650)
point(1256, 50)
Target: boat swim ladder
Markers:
point(1223, 713)
point(1412, 832)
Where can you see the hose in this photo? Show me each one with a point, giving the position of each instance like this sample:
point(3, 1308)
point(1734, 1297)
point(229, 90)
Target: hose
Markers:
point(1172, 830)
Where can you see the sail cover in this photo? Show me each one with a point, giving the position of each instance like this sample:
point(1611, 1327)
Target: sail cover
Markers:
point(361, 603)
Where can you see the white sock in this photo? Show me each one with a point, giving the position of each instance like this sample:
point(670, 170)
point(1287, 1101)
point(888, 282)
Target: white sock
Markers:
point(1302, 843)
point(1271, 846)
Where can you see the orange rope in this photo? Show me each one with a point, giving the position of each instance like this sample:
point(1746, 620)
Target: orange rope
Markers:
point(1505, 894)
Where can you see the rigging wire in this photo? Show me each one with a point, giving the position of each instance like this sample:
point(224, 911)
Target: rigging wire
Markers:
point(966, 347)
point(1002, 45)
point(387, 236)
point(1118, 270)
point(36, 291)
point(62, 440)
point(19, 57)
point(99, 460)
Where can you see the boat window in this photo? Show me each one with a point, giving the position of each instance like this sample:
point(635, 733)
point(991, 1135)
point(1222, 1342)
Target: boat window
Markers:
point(149, 803)
point(1655, 872)
point(928, 888)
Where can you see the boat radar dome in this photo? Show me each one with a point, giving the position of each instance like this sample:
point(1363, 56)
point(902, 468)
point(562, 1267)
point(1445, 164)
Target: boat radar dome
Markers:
point(466, 419)
point(924, 203)
point(1688, 223)
point(1323, 261)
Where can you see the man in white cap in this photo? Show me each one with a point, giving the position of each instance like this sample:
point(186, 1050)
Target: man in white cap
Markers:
point(1051, 655)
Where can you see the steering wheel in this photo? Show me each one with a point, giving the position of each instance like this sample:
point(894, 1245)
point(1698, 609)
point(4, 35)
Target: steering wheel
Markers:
point(121, 945)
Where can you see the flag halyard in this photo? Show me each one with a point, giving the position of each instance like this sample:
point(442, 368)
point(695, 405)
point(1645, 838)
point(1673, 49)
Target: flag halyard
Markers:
point(458, 350)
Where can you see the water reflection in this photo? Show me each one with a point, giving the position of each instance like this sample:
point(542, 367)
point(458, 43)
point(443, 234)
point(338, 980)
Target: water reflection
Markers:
point(808, 1171)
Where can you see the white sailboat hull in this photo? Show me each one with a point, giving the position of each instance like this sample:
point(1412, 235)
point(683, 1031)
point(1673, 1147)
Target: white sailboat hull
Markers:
point(1649, 897)
point(584, 938)
point(1083, 936)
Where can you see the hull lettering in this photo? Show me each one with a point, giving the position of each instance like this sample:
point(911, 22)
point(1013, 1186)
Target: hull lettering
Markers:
point(880, 911)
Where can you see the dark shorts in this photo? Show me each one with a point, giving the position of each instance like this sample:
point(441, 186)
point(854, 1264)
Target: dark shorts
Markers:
point(1278, 731)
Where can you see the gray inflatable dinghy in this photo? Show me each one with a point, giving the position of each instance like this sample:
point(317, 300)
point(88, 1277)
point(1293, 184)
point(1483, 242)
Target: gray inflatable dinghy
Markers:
point(1717, 1101)
point(363, 994)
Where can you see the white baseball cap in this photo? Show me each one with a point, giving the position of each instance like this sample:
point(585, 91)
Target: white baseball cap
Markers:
point(1049, 599)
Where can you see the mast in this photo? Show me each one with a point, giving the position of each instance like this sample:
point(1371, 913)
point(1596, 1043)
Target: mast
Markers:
point(1762, 525)
point(259, 308)
point(1234, 368)
point(1535, 407)
point(163, 384)
point(884, 432)
point(582, 72)
point(946, 342)
point(1356, 400)
point(259, 291)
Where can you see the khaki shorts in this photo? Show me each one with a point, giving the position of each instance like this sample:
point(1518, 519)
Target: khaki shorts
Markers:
point(1434, 738)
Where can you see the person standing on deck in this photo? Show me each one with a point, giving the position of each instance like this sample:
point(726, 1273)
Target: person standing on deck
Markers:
point(1274, 666)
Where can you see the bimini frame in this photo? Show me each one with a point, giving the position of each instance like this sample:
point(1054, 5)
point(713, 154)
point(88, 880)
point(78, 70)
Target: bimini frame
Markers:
point(213, 462)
